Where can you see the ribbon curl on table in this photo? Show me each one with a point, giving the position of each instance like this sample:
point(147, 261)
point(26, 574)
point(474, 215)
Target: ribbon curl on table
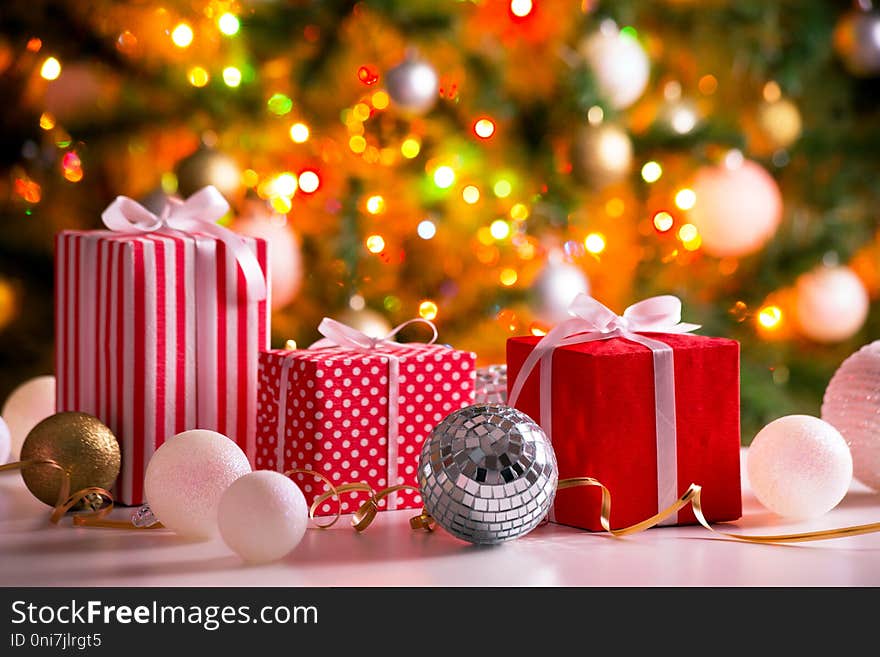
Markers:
point(593, 321)
point(338, 335)
point(197, 214)
point(67, 500)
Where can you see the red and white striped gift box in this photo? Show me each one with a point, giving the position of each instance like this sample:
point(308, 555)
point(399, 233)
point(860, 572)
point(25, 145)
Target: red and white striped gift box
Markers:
point(156, 334)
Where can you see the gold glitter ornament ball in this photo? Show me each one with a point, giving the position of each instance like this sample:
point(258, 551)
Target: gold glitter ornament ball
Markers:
point(78, 442)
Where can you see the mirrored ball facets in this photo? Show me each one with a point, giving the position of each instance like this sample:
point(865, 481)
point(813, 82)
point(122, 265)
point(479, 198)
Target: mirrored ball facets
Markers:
point(487, 473)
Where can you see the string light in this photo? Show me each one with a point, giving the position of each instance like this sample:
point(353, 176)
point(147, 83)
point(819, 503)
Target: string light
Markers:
point(47, 121)
point(519, 212)
point(770, 317)
point(410, 148)
point(375, 204)
point(595, 243)
point(685, 199)
point(375, 244)
point(772, 92)
point(228, 24)
point(51, 69)
point(299, 133)
point(521, 8)
point(281, 204)
point(428, 310)
point(367, 75)
point(361, 111)
point(708, 84)
point(198, 77)
point(595, 115)
point(380, 100)
point(651, 171)
point(470, 194)
point(426, 229)
point(690, 237)
point(502, 188)
point(34, 44)
point(615, 207)
point(663, 221)
point(71, 166)
point(285, 184)
point(250, 178)
point(357, 144)
point(484, 128)
point(309, 181)
point(279, 104)
point(508, 277)
point(182, 35)
point(444, 177)
point(231, 76)
point(499, 229)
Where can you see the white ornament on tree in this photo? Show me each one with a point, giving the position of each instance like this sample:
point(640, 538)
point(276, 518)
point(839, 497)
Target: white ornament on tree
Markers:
point(738, 207)
point(555, 288)
point(186, 477)
point(852, 405)
point(619, 64)
point(832, 303)
point(28, 404)
point(285, 257)
point(262, 516)
point(413, 85)
point(799, 466)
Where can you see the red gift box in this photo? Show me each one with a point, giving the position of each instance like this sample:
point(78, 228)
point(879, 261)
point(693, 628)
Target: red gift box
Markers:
point(335, 402)
point(604, 424)
point(158, 332)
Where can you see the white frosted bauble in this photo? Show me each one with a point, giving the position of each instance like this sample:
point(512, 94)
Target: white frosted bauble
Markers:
point(186, 477)
point(832, 304)
point(413, 85)
point(737, 209)
point(555, 288)
point(5, 443)
point(28, 404)
point(262, 516)
point(619, 64)
point(799, 466)
point(285, 258)
point(852, 406)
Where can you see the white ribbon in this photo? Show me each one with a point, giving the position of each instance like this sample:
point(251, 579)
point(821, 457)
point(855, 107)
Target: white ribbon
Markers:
point(594, 321)
point(197, 214)
point(338, 335)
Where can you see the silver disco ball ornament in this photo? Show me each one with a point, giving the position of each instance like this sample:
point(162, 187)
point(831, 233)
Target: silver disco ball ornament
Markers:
point(487, 473)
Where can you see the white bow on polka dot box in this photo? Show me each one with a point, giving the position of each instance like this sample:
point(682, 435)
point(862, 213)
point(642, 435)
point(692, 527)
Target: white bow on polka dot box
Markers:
point(328, 410)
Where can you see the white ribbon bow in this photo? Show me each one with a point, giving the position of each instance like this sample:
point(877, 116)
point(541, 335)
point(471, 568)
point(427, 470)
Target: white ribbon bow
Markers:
point(197, 214)
point(337, 334)
point(593, 321)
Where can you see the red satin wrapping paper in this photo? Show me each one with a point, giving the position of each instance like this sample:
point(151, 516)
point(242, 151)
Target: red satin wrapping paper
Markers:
point(603, 424)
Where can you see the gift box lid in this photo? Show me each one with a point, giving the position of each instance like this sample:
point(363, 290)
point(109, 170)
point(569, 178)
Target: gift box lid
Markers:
point(619, 346)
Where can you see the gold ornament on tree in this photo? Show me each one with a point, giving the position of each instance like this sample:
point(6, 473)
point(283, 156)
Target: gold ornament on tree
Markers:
point(81, 444)
point(780, 122)
point(601, 154)
point(208, 166)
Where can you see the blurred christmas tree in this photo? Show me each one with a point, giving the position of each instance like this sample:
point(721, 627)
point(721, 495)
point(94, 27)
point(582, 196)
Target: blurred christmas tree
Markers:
point(476, 163)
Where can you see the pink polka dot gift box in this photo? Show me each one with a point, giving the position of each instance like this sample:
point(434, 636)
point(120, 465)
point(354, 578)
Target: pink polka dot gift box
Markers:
point(357, 409)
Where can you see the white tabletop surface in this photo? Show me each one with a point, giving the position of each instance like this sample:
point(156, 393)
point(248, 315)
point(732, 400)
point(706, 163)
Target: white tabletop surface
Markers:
point(389, 553)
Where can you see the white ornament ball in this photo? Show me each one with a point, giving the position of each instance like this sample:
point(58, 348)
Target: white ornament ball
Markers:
point(832, 304)
point(799, 466)
point(5, 444)
point(413, 85)
point(28, 404)
point(285, 257)
point(619, 64)
point(738, 208)
point(262, 516)
point(852, 406)
point(555, 288)
point(186, 477)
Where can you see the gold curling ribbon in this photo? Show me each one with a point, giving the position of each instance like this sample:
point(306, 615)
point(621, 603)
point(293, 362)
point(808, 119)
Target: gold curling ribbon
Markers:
point(366, 512)
point(692, 496)
point(66, 501)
